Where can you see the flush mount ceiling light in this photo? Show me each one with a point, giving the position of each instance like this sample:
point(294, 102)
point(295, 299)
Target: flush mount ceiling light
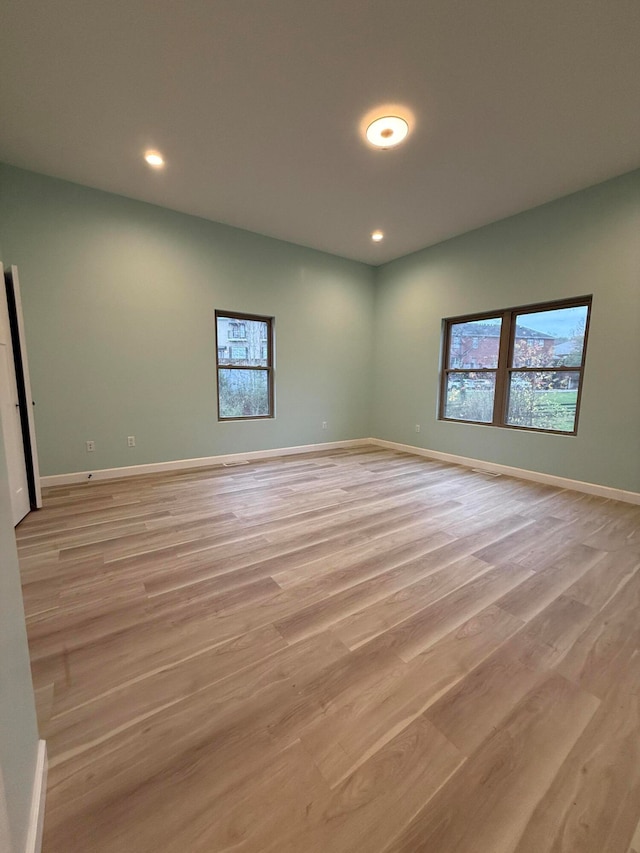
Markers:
point(387, 131)
point(377, 236)
point(154, 158)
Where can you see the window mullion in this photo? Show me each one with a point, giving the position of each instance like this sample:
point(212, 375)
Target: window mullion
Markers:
point(502, 372)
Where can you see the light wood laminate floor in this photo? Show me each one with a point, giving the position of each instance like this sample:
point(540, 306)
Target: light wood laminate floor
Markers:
point(354, 651)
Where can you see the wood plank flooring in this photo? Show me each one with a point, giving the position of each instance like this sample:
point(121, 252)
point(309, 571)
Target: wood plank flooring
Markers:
point(355, 650)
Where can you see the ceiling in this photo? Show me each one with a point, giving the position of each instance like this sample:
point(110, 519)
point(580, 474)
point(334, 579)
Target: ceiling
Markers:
point(257, 107)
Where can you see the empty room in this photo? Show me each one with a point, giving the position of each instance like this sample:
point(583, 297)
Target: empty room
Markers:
point(320, 422)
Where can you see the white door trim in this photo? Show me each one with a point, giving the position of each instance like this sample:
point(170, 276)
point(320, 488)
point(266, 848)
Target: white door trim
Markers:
point(38, 798)
point(11, 422)
point(22, 343)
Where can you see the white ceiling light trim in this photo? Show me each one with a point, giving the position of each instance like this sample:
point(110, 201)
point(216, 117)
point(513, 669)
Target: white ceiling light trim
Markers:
point(154, 159)
point(387, 131)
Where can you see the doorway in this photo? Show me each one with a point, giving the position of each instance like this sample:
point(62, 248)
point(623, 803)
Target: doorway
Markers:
point(16, 415)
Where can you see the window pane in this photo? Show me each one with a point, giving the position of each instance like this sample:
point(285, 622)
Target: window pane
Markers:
point(475, 344)
point(238, 355)
point(242, 341)
point(470, 396)
point(543, 399)
point(243, 393)
point(550, 338)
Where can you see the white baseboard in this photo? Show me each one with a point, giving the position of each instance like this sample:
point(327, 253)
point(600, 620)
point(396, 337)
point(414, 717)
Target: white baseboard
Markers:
point(510, 471)
point(200, 462)
point(38, 797)
point(209, 461)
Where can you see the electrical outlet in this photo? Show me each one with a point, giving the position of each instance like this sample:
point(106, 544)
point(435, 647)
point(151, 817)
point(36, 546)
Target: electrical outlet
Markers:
point(417, 427)
point(324, 425)
point(91, 446)
point(131, 440)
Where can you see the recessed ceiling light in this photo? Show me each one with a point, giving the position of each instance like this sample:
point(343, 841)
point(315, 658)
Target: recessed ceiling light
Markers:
point(154, 158)
point(377, 236)
point(387, 131)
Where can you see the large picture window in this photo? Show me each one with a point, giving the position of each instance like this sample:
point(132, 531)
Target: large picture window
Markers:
point(520, 368)
point(244, 366)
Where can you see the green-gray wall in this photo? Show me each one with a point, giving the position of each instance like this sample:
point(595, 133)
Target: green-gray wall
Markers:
point(585, 243)
point(18, 726)
point(118, 299)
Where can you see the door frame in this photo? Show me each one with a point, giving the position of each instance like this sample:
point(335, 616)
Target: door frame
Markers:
point(23, 382)
point(11, 420)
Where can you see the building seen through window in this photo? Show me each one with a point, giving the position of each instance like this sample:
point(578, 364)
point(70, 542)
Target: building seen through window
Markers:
point(520, 368)
point(244, 364)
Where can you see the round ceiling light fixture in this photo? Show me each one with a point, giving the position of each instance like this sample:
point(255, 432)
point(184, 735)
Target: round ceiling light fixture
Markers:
point(154, 158)
point(377, 236)
point(387, 131)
